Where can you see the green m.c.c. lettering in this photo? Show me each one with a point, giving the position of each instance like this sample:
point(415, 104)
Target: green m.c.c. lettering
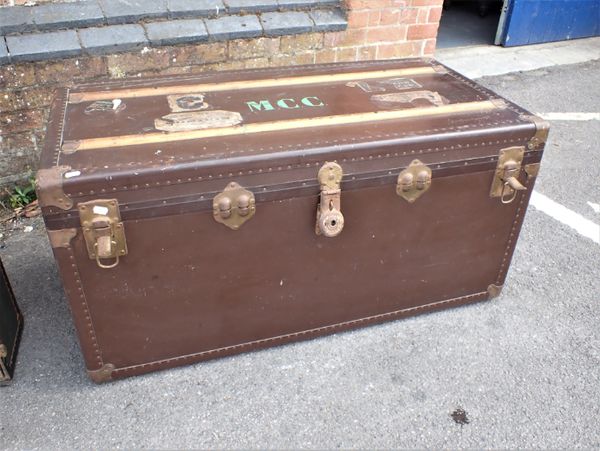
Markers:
point(312, 101)
point(285, 104)
point(288, 104)
point(259, 106)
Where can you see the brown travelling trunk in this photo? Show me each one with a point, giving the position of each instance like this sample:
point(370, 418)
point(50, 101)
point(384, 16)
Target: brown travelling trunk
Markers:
point(11, 324)
point(202, 216)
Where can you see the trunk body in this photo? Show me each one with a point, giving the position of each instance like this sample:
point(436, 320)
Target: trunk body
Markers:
point(11, 324)
point(202, 194)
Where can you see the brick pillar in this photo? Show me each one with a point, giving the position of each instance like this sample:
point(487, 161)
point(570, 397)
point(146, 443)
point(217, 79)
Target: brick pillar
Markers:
point(383, 29)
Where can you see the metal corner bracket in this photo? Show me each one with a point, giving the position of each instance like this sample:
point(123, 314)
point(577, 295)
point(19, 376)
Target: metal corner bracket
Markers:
point(103, 374)
point(494, 291)
point(61, 237)
point(49, 188)
point(532, 170)
point(542, 128)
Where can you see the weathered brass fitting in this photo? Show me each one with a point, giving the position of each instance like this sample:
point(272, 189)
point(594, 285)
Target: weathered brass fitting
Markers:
point(413, 181)
point(330, 220)
point(234, 206)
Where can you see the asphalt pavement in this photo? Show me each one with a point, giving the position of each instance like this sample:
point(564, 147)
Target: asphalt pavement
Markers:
point(524, 368)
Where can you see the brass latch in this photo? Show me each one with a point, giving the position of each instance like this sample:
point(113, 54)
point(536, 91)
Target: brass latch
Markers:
point(506, 182)
point(103, 231)
point(4, 374)
point(234, 206)
point(330, 220)
point(413, 181)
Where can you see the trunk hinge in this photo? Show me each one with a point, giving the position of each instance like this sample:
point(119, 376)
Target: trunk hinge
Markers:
point(103, 231)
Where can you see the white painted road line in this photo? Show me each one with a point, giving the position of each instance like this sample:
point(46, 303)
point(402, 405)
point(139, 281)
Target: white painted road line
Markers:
point(570, 116)
point(594, 206)
point(582, 225)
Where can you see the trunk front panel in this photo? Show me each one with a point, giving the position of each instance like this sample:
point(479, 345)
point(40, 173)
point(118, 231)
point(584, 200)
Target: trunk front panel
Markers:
point(190, 285)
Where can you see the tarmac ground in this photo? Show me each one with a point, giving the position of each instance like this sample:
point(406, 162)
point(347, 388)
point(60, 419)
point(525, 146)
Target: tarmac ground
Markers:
point(521, 371)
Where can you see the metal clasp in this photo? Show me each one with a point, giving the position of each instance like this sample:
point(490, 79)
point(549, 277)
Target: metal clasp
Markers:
point(330, 220)
point(4, 374)
point(234, 206)
point(413, 181)
point(103, 231)
point(506, 184)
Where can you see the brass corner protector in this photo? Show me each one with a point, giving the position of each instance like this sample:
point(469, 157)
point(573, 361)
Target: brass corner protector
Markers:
point(49, 188)
point(68, 147)
point(494, 291)
point(103, 374)
point(439, 68)
point(61, 237)
point(532, 169)
point(542, 128)
point(499, 103)
point(75, 97)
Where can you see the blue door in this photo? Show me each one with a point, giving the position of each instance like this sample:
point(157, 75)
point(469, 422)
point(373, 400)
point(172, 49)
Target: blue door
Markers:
point(535, 21)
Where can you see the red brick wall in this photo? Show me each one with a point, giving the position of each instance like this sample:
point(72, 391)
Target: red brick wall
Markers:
point(378, 29)
point(382, 29)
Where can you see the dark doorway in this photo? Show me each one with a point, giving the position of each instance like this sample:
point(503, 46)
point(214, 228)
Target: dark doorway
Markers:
point(467, 23)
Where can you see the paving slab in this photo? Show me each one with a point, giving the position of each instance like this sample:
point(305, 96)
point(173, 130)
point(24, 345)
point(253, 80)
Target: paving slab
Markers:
point(78, 14)
point(282, 23)
point(176, 32)
point(490, 60)
point(43, 46)
point(113, 38)
point(234, 27)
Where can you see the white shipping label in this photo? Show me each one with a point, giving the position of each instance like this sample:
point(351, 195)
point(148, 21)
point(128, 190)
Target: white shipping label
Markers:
point(100, 210)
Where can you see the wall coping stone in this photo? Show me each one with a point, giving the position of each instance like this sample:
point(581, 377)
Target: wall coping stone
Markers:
point(128, 11)
point(176, 32)
point(293, 22)
point(155, 24)
point(53, 16)
point(195, 8)
point(234, 27)
point(112, 39)
point(87, 13)
point(37, 46)
point(3, 52)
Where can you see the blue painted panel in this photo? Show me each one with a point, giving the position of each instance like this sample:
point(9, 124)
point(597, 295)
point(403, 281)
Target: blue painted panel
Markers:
point(535, 21)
